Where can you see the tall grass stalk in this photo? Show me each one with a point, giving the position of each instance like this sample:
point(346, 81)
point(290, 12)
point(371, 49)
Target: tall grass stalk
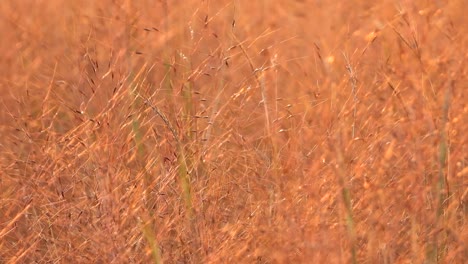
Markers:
point(345, 191)
point(184, 163)
point(148, 233)
point(346, 199)
point(274, 162)
point(353, 80)
point(134, 84)
point(442, 187)
point(182, 160)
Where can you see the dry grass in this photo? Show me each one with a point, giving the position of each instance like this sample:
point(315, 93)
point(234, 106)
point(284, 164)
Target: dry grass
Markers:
point(233, 131)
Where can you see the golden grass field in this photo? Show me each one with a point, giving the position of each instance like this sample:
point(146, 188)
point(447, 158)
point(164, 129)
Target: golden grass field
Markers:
point(233, 131)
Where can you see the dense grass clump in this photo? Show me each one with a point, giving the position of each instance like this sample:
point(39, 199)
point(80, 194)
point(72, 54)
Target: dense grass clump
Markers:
point(233, 131)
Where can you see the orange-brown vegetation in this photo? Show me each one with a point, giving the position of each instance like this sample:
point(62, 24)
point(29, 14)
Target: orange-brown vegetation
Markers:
point(233, 131)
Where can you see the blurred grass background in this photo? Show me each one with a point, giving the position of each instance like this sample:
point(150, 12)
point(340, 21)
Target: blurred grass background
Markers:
point(233, 131)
